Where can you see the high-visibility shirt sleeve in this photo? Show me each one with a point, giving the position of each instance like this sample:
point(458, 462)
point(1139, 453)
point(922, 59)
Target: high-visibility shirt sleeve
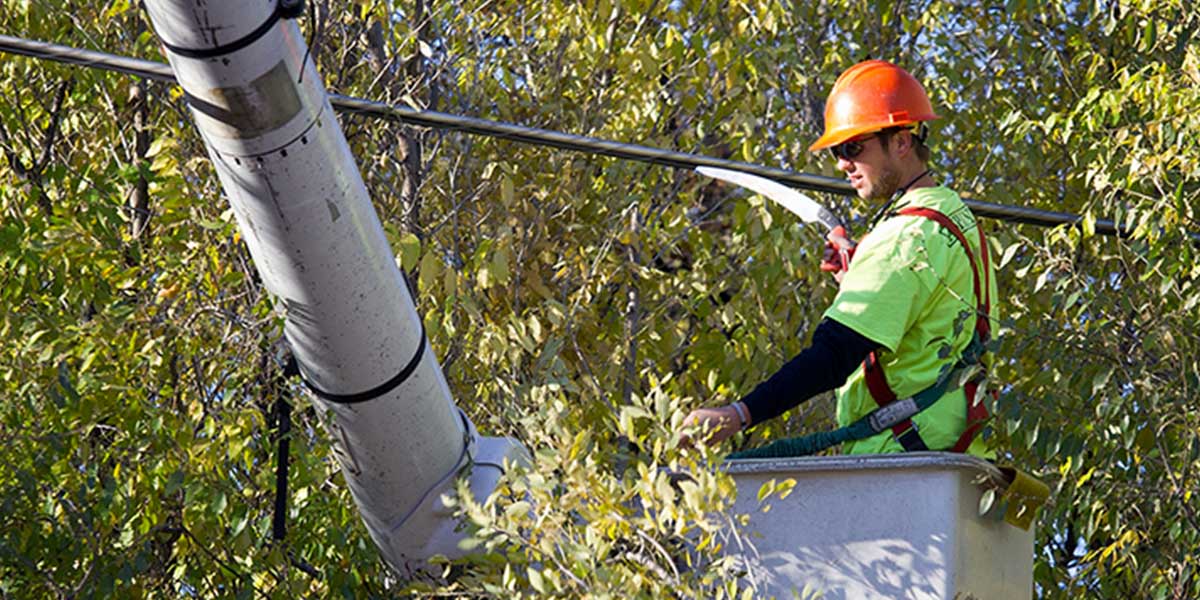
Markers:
point(887, 286)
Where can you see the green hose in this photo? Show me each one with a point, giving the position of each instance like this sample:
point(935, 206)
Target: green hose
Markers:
point(808, 444)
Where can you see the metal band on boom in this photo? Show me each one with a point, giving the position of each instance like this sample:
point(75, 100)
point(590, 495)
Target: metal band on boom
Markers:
point(376, 391)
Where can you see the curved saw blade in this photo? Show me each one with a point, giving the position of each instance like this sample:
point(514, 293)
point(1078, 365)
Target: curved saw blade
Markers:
point(797, 203)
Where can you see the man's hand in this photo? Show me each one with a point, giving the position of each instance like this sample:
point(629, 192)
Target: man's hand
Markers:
point(716, 424)
point(839, 249)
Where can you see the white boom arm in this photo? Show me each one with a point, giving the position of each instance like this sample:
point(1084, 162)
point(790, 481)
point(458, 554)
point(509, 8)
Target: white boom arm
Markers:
point(317, 242)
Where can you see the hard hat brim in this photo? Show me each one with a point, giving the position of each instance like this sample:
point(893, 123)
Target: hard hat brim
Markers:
point(837, 136)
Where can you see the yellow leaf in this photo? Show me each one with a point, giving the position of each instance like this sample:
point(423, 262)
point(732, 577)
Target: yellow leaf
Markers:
point(164, 162)
point(500, 265)
point(118, 7)
point(1084, 479)
point(87, 362)
point(506, 191)
point(517, 509)
point(430, 266)
point(161, 143)
point(536, 284)
point(167, 293)
point(535, 328)
point(766, 489)
point(449, 283)
point(410, 251)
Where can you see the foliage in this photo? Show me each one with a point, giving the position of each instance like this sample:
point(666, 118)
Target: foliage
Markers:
point(583, 304)
point(578, 521)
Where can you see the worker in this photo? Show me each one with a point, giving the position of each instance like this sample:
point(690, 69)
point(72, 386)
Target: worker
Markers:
point(907, 308)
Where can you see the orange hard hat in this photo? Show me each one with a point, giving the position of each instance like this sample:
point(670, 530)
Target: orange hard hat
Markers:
point(870, 96)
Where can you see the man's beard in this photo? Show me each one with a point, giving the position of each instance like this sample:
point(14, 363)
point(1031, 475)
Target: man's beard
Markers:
point(889, 182)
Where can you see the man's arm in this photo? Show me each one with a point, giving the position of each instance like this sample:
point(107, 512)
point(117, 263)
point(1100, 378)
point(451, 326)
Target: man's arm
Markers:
point(835, 352)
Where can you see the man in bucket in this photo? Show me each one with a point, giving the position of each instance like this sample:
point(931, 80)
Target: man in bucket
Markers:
point(912, 312)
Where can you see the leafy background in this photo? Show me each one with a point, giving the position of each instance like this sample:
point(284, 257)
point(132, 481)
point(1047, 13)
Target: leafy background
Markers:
point(583, 304)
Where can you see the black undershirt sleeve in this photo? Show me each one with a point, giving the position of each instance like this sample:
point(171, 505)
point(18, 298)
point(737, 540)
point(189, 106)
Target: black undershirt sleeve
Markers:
point(835, 352)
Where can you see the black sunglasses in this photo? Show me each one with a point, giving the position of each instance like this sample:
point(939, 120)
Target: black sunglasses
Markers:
point(850, 150)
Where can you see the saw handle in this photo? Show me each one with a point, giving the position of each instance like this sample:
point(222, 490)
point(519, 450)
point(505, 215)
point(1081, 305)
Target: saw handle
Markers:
point(839, 249)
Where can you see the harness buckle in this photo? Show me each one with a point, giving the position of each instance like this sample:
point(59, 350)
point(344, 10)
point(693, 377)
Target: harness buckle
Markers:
point(893, 413)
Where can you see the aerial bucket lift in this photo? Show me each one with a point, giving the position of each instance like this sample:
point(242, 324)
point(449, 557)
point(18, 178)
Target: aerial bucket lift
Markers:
point(913, 526)
point(856, 527)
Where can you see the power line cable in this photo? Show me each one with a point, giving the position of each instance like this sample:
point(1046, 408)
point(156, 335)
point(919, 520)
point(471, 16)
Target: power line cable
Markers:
point(545, 137)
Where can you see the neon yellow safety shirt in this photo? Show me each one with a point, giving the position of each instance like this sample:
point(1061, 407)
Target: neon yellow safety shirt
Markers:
point(910, 288)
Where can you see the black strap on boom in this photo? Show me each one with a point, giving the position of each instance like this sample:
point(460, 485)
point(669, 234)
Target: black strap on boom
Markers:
point(283, 434)
point(285, 9)
point(400, 377)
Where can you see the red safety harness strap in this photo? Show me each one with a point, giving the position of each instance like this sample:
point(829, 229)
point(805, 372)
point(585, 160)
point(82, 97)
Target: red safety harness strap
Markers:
point(905, 432)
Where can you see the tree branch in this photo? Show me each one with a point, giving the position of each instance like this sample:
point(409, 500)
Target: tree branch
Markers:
point(33, 174)
point(139, 193)
point(52, 129)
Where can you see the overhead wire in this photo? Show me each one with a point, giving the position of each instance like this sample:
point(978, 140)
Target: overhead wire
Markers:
point(545, 137)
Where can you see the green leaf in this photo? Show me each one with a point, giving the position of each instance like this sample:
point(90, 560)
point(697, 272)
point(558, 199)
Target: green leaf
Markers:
point(766, 489)
point(500, 268)
point(536, 580)
point(64, 380)
point(1009, 253)
point(506, 191)
point(410, 251)
point(1041, 280)
point(1100, 381)
point(518, 509)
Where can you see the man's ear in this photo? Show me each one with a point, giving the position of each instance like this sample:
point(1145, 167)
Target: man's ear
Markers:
point(904, 142)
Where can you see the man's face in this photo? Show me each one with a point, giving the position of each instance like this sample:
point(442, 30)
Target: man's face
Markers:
point(873, 172)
